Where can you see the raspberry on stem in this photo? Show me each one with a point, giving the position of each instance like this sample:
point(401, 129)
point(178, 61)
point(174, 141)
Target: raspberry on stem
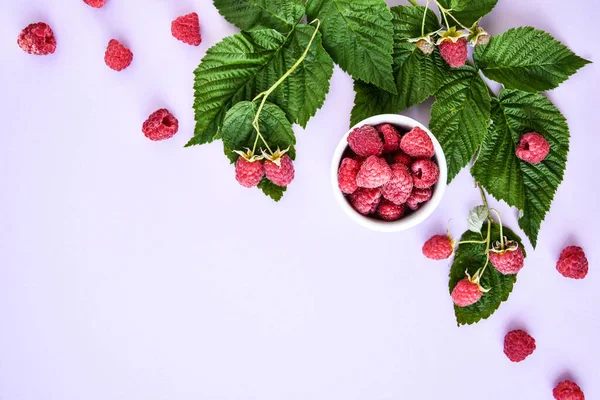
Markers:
point(439, 247)
point(468, 291)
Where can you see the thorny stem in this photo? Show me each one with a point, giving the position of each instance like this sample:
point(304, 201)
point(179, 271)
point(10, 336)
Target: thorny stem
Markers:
point(424, 17)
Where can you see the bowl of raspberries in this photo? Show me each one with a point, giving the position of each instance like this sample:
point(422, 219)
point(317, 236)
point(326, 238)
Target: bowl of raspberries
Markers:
point(389, 173)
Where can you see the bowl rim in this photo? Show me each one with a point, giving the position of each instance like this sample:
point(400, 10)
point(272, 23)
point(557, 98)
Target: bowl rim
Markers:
point(414, 218)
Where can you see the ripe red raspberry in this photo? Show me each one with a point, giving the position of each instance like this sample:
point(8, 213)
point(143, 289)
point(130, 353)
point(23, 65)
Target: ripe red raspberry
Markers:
point(454, 53)
point(417, 143)
point(518, 345)
point(347, 175)
point(117, 56)
point(281, 175)
point(365, 141)
point(417, 197)
point(389, 211)
point(37, 39)
point(365, 201)
point(187, 29)
point(160, 125)
point(374, 172)
point(466, 293)
point(567, 390)
point(400, 186)
point(425, 173)
point(95, 3)
point(533, 148)
point(439, 247)
point(402, 158)
point(508, 262)
point(572, 263)
point(391, 137)
point(248, 173)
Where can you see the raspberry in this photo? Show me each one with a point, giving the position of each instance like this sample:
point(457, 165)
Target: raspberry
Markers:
point(117, 56)
point(187, 29)
point(365, 201)
point(95, 3)
point(507, 262)
point(518, 345)
point(37, 39)
point(402, 158)
point(374, 172)
point(365, 141)
point(454, 53)
point(425, 173)
point(572, 263)
point(160, 125)
point(439, 247)
point(567, 390)
point(533, 148)
point(426, 46)
point(283, 174)
point(347, 175)
point(417, 143)
point(417, 197)
point(391, 137)
point(400, 186)
point(389, 211)
point(248, 173)
point(466, 293)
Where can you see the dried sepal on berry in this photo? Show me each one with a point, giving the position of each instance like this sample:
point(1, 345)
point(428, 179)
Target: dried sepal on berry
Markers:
point(439, 247)
point(451, 34)
point(507, 257)
point(468, 291)
point(279, 167)
point(249, 169)
point(478, 36)
point(249, 155)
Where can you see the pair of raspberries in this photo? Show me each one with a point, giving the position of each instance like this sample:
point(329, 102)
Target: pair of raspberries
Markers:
point(385, 172)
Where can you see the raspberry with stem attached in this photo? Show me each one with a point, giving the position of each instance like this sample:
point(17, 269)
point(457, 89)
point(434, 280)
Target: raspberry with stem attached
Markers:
point(439, 247)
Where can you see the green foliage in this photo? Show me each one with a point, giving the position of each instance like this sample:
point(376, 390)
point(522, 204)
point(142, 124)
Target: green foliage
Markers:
point(272, 190)
point(477, 217)
point(281, 15)
point(467, 12)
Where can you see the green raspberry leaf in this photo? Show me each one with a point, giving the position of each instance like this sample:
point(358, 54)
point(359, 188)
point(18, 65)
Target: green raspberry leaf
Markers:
point(471, 257)
point(281, 15)
point(477, 217)
point(460, 117)
point(468, 11)
point(238, 133)
point(244, 65)
point(529, 187)
point(359, 37)
point(527, 59)
point(272, 190)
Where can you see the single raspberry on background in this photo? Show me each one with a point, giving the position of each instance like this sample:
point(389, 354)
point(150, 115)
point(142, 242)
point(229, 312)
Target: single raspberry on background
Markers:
point(568, 390)
point(391, 137)
point(400, 186)
point(425, 173)
point(454, 53)
point(187, 29)
point(439, 247)
point(389, 211)
point(37, 39)
point(347, 175)
point(160, 125)
point(518, 345)
point(508, 262)
point(374, 172)
point(117, 56)
point(417, 143)
point(572, 263)
point(533, 148)
point(401, 157)
point(95, 3)
point(418, 197)
point(248, 173)
point(365, 201)
point(466, 293)
point(282, 174)
point(365, 141)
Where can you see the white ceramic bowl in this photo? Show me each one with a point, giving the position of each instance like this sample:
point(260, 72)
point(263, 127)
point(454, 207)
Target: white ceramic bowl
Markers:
point(416, 217)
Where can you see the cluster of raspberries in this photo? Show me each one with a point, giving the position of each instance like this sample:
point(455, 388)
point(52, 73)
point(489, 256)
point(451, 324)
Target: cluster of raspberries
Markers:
point(385, 173)
point(249, 171)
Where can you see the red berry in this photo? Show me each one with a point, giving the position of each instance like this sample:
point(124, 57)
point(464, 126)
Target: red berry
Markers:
point(402, 158)
point(438, 247)
point(567, 390)
point(425, 173)
point(417, 197)
point(466, 293)
point(391, 137)
point(518, 345)
point(347, 175)
point(248, 173)
point(160, 125)
point(572, 263)
point(282, 174)
point(400, 186)
point(389, 211)
point(365, 141)
point(374, 172)
point(365, 201)
point(454, 53)
point(95, 3)
point(417, 143)
point(117, 56)
point(508, 262)
point(37, 39)
point(187, 29)
point(533, 148)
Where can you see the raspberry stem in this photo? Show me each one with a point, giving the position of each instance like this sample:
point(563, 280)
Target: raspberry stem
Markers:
point(414, 3)
point(424, 17)
point(501, 232)
point(445, 12)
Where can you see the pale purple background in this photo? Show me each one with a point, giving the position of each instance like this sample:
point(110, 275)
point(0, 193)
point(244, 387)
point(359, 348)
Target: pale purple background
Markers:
point(139, 270)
